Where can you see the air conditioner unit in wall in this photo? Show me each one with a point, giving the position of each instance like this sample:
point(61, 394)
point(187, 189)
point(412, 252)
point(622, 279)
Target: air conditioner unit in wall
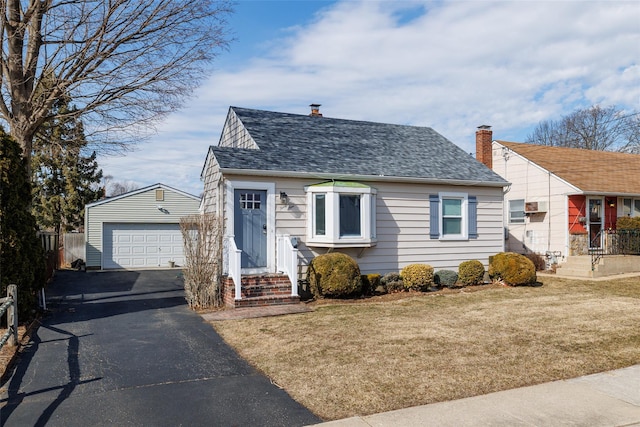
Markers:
point(535, 207)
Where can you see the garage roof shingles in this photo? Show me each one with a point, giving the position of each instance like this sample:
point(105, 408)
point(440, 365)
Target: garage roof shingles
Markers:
point(589, 170)
point(306, 144)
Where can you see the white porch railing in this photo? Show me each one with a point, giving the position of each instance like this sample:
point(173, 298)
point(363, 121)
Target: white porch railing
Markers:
point(235, 265)
point(288, 261)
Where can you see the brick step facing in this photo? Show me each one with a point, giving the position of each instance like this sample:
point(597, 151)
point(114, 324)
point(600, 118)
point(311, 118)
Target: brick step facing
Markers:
point(265, 290)
point(260, 291)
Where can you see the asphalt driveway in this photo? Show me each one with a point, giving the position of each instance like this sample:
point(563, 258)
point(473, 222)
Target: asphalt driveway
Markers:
point(123, 348)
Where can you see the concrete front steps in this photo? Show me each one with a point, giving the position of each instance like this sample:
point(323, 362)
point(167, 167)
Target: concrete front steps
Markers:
point(608, 265)
point(260, 291)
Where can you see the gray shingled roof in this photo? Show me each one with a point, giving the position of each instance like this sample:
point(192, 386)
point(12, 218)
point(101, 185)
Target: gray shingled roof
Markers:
point(300, 143)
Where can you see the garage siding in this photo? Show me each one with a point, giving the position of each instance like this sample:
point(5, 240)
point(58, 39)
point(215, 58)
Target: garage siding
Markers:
point(137, 207)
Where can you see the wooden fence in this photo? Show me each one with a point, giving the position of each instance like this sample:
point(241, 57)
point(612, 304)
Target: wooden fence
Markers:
point(10, 306)
point(72, 248)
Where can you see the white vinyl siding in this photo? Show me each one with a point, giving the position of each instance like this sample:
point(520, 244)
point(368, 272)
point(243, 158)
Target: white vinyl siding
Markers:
point(401, 219)
point(539, 232)
point(136, 208)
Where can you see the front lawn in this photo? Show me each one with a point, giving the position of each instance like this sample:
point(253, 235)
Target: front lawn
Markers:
point(356, 358)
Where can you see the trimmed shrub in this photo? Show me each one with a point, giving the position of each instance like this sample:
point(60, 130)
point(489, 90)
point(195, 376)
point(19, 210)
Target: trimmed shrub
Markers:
point(471, 272)
point(513, 269)
point(370, 283)
point(374, 282)
point(392, 282)
point(628, 223)
point(537, 260)
point(366, 285)
point(417, 276)
point(334, 275)
point(447, 278)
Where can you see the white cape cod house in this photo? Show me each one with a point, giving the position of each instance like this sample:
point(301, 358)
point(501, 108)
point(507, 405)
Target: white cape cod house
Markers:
point(290, 187)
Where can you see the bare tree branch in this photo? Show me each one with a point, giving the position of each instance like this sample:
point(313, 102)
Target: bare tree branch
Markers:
point(125, 64)
point(594, 128)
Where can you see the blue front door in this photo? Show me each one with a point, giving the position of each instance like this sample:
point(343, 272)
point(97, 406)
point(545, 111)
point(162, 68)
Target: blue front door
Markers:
point(250, 227)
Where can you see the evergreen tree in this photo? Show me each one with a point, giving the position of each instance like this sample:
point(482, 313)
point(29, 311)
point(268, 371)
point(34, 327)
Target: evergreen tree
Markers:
point(21, 254)
point(64, 178)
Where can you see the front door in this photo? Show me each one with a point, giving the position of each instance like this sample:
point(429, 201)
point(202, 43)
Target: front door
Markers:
point(595, 223)
point(250, 227)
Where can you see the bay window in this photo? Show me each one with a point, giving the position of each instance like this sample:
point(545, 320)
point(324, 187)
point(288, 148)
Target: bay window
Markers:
point(342, 214)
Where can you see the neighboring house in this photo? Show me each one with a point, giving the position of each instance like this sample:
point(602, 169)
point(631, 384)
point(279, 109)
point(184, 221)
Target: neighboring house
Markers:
point(562, 201)
point(139, 229)
point(388, 195)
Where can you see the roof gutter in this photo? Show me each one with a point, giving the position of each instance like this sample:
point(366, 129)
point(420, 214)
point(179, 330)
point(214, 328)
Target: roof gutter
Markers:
point(605, 193)
point(355, 177)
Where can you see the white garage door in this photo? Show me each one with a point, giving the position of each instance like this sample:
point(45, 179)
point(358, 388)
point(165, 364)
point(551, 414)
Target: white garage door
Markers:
point(142, 245)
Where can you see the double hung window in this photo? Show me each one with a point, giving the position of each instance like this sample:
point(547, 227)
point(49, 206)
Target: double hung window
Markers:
point(516, 211)
point(630, 207)
point(453, 216)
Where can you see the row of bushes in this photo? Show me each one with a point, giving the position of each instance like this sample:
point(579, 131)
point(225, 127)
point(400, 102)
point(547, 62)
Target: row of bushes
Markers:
point(336, 275)
point(628, 223)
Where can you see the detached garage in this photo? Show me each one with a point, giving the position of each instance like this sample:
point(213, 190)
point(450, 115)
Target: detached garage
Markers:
point(139, 229)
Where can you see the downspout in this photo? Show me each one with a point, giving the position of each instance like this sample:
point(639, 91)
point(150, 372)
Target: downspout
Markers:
point(548, 211)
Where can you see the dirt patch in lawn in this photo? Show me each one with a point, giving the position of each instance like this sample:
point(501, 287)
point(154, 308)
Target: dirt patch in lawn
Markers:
point(378, 354)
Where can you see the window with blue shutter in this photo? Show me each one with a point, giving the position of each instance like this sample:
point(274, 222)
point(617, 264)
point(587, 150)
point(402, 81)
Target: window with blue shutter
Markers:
point(434, 216)
point(453, 216)
point(473, 217)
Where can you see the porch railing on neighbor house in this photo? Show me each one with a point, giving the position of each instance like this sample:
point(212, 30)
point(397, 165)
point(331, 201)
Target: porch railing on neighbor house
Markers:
point(288, 261)
point(235, 265)
point(614, 242)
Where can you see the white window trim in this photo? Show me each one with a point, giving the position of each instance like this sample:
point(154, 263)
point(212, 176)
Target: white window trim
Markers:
point(464, 226)
point(621, 206)
point(332, 238)
point(270, 188)
point(510, 211)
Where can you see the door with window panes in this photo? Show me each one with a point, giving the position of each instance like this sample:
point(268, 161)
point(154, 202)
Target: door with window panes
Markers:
point(594, 224)
point(250, 227)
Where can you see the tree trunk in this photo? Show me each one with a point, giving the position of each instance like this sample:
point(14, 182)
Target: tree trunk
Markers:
point(24, 137)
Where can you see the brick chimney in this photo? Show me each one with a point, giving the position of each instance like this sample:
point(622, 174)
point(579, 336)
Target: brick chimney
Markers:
point(315, 110)
point(484, 137)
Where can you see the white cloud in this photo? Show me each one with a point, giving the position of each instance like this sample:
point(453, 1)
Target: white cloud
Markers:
point(448, 65)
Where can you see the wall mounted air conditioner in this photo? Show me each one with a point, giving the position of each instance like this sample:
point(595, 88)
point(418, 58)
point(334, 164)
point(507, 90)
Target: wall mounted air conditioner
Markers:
point(535, 207)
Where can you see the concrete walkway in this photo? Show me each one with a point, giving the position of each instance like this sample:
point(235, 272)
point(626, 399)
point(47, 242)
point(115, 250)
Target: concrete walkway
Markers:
point(608, 399)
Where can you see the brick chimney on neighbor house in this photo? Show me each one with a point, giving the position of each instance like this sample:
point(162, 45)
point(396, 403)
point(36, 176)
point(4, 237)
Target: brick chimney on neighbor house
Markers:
point(315, 110)
point(484, 136)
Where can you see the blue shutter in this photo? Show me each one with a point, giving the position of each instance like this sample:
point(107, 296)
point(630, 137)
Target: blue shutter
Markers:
point(473, 217)
point(434, 216)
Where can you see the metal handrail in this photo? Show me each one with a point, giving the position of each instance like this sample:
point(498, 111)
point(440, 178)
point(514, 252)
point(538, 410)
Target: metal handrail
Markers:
point(617, 242)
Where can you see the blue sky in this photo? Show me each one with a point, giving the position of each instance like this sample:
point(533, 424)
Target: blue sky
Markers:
point(450, 65)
